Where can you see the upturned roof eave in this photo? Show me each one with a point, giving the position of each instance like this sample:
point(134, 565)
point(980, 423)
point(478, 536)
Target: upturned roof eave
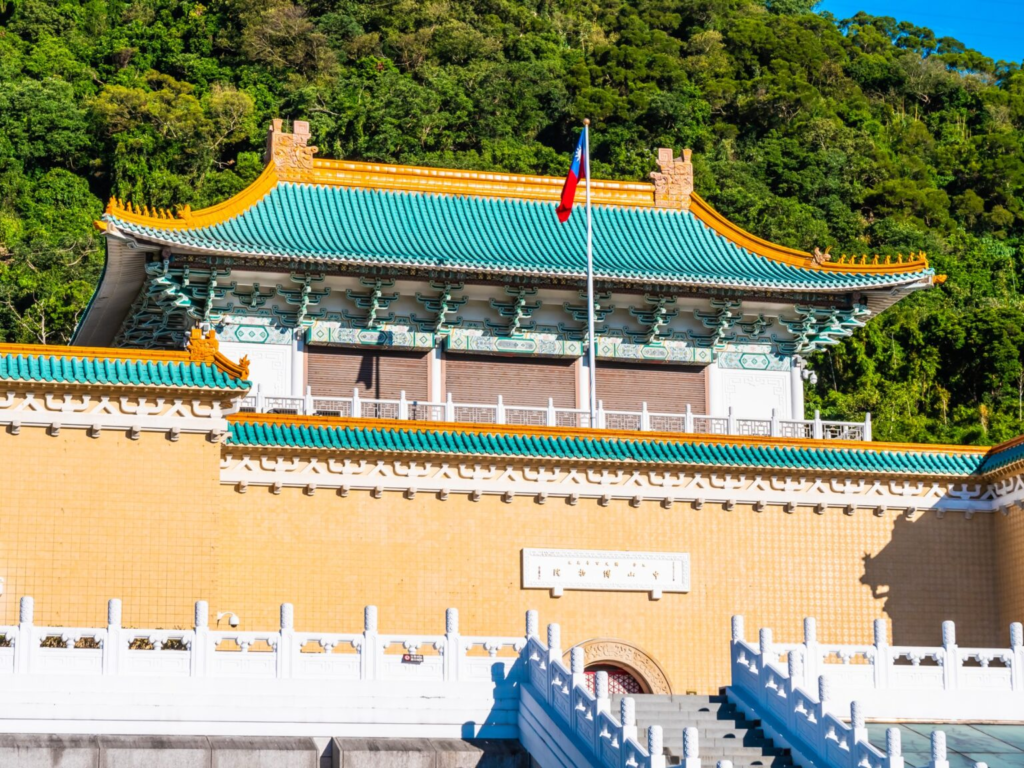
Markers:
point(922, 278)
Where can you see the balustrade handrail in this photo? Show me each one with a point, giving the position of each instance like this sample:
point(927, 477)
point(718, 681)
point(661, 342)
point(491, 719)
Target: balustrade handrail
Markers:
point(948, 689)
point(449, 411)
point(281, 653)
point(586, 717)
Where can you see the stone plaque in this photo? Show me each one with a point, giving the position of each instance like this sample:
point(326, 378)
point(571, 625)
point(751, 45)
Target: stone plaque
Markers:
point(604, 571)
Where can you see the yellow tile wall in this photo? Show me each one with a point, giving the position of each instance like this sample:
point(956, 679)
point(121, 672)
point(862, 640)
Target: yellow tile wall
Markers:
point(1009, 558)
point(84, 520)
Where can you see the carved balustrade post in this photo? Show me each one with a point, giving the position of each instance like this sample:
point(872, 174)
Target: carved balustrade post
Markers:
point(857, 724)
point(812, 653)
point(774, 429)
point(1017, 655)
point(645, 418)
point(817, 432)
point(939, 759)
point(691, 748)
point(371, 650)
point(307, 402)
point(499, 411)
point(112, 645)
point(688, 420)
point(795, 664)
point(200, 650)
point(554, 654)
point(576, 662)
point(766, 656)
point(867, 427)
point(600, 414)
point(627, 715)
point(893, 749)
point(883, 658)
point(26, 642)
point(656, 746)
point(403, 406)
point(532, 624)
point(824, 694)
point(287, 650)
point(601, 704)
point(449, 408)
point(357, 406)
point(951, 657)
point(731, 422)
point(453, 651)
point(260, 407)
point(552, 415)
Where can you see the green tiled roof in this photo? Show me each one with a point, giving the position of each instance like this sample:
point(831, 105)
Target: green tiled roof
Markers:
point(413, 229)
point(87, 370)
point(690, 452)
point(1000, 458)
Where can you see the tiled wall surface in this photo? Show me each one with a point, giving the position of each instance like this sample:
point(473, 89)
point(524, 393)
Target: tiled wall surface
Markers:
point(83, 520)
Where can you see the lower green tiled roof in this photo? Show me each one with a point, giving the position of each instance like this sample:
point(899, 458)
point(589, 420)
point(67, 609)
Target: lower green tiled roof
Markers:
point(1003, 456)
point(692, 452)
point(88, 370)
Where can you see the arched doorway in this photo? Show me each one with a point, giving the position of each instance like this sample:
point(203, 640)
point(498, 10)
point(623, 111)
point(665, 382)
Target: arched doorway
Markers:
point(632, 666)
point(619, 680)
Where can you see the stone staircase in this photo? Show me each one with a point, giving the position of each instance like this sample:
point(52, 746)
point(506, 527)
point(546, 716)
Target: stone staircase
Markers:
point(725, 733)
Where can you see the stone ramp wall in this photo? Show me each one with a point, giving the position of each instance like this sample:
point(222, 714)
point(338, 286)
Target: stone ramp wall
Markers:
point(85, 751)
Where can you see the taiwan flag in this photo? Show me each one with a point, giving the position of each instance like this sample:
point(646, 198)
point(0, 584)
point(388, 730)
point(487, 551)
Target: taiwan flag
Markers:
point(577, 173)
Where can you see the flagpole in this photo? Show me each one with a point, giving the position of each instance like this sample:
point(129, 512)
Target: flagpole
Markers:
point(591, 336)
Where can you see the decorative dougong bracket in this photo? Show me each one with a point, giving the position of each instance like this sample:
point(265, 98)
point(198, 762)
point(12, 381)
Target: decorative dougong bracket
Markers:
point(725, 316)
point(518, 311)
point(817, 327)
point(303, 298)
point(441, 306)
point(602, 308)
point(655, 318)
point(372, 301)
point(255, 298)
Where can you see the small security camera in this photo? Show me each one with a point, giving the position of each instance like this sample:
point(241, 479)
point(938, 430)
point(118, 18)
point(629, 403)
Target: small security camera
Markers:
point(232, 618)
point(233, 621)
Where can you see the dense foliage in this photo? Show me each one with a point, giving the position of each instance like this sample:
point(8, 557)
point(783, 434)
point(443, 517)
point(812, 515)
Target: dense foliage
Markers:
point(866, 134)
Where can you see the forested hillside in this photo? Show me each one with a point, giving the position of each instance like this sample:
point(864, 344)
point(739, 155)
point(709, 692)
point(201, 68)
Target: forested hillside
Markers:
point(866, 134)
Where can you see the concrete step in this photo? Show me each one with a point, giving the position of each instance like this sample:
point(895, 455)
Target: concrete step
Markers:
point(724, 732)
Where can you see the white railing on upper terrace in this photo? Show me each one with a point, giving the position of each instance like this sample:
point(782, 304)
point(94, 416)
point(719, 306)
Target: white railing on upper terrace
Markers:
point(643, 420)
point(286, 653)
point(881, 681)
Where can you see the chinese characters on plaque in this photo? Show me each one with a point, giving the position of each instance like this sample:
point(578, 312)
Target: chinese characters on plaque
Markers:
point(561, 569)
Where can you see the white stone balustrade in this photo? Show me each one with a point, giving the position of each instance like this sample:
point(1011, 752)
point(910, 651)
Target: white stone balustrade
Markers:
point(116, 679)
point(921, 682)
point(855, 681)
point(550, 416)
point(285, 653)
point(577, 725)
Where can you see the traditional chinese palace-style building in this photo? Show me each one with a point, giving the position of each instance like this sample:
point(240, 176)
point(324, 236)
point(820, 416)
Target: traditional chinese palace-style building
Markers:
point(355, 396)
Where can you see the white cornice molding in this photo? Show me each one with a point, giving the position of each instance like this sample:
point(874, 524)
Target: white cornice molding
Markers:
point(245, 467)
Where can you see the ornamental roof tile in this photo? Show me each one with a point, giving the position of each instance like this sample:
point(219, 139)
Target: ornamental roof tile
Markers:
point(132, 371)
point(323, 223)
point(693, 450)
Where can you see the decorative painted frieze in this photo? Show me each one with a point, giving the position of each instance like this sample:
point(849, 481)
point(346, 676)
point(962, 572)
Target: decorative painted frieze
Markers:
point(479, 342)
point(752, 357)
point(340, 334)
point(664, 351)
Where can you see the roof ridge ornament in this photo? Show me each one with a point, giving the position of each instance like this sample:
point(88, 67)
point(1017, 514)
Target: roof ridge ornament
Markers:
point(290, 152)
point(673, 185)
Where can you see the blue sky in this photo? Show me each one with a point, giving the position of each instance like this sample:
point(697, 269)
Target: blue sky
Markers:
point(994, 27)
